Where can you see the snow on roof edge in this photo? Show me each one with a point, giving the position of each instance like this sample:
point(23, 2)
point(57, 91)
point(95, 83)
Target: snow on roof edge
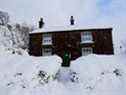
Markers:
point(67, 28)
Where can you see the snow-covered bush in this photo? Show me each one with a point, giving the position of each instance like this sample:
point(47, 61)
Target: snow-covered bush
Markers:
point(6, 39)
point(20, 34)
point(43, 77)
point(16, 36)
point(117, 72)
point(74, 77)
point(13, 35)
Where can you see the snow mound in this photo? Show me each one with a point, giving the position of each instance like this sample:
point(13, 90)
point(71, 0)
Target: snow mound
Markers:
point(104, 75)
point(20, 73)
point(89, 75)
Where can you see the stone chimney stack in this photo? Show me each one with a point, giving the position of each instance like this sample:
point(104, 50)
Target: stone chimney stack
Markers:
point(41, 23)
point(71, 20)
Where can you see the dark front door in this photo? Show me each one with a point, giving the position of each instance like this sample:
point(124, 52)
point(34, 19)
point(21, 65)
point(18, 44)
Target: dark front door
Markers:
point(67, 42)
point(73, 44)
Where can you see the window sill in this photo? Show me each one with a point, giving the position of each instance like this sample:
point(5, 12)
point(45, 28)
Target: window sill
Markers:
point(47, 44)
point(86, 42)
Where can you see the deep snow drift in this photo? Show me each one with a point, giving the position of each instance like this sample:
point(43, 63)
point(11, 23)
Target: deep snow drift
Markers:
point(21, 74)
point(102, 75)
point(90, 75)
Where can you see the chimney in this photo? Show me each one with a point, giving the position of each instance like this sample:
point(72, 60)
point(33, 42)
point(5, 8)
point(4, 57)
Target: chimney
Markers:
point(41, 23)
point(71, 20)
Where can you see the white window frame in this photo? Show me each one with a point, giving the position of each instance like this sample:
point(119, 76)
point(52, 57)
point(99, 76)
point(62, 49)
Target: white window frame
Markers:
point(47, 39)
point(86, 37)
point(87, 51)
point(46, 51)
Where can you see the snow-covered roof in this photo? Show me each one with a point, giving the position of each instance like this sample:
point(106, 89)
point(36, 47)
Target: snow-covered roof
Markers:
point(66, 28)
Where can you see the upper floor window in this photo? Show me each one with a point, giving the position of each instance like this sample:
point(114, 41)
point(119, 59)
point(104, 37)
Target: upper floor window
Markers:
point(47, 39)
point(86, 37)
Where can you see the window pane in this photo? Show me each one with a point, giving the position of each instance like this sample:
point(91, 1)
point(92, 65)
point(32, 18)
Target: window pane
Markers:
point(46, 51)
point(47, 39)
point(86, 37)
point(86, 51)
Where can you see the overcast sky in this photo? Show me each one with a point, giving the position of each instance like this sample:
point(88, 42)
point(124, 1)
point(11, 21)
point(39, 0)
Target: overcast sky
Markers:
point(57, 12)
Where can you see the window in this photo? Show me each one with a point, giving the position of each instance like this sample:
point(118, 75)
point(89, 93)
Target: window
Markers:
point(86, 51)
point(47, 39)
point(47, 51)
point(86, 37)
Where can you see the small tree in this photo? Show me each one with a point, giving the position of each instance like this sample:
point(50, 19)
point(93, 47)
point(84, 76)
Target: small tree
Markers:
point(4, 18)
point(20, 35)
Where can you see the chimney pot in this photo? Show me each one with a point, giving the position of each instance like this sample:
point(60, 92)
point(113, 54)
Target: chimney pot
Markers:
point(71, 20)
point(41, 23)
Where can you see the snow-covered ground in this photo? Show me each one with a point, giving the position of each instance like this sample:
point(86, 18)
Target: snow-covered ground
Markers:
point(90, 75)
point(21, 74)
point(101, 75)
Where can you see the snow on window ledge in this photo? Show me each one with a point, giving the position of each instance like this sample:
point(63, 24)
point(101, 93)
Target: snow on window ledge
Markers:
point(47, 43)
point(85, 42)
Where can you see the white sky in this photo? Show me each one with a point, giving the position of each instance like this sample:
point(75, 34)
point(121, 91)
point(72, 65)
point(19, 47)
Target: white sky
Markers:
point(57, 12)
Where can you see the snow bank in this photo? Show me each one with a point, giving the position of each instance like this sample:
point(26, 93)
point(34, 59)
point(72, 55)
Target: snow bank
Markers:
point(97, 75)
point(19, 74)
point(101, 75)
